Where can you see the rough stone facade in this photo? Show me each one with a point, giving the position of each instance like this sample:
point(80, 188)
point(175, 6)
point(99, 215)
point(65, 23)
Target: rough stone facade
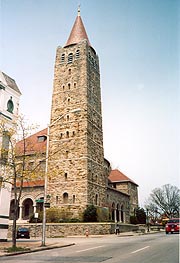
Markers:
point(74, 229)
point(130, 189)
point(76, 156)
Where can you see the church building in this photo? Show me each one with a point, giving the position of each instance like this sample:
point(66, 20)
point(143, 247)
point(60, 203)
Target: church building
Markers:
point(76, 172)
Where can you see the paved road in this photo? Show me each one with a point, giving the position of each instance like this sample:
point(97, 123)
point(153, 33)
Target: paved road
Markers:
point(154, 248)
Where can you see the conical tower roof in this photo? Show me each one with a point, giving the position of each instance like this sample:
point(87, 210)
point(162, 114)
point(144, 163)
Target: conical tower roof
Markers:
point(78, 32)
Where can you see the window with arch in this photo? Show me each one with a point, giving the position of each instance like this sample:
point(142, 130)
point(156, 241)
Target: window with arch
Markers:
point(69, 71)
point(74, 199)
point(63, 87)
point(62, 58)
point(67, 154)
point(65, 176)
point(65, 198)
point(69, 85)
point(70, 58)
point(68, 100)
point(67, 117)
point(77, 53)
point(57, 199)
point(75, 85)
point(67, 134)
point(10, 105)
point(96, 199)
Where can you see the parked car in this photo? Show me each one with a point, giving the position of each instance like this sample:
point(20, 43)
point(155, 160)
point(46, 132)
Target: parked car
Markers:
point(172, 225)
point(23, 232)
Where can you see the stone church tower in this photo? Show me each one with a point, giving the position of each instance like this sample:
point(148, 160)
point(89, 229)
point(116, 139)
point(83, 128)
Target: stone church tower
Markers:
point(76, 175)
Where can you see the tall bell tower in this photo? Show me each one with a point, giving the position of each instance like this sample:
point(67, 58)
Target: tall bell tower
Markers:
point(76, 156)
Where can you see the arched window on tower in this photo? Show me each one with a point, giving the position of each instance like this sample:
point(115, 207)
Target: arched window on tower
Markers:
point(67, 154)
point(77, 53)
point(65, 176)
point(62, 58)
point(65, 198)
point(70, 58)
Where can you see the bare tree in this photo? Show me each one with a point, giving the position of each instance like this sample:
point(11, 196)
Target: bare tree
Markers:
point(15, 164)
point(164, 200)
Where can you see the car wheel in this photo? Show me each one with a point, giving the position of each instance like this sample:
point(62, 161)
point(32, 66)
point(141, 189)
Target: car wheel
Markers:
point(167, 232)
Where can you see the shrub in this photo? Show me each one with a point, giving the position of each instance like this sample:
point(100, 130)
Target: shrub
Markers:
point(90, 214)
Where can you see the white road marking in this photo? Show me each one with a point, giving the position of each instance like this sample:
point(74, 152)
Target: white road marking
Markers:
point(88, 249)
point(139, 250)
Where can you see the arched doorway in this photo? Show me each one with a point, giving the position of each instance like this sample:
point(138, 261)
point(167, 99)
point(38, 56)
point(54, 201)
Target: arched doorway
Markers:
point(113, 211)
point(27, 208)
point(117, 213)
point(122, 213)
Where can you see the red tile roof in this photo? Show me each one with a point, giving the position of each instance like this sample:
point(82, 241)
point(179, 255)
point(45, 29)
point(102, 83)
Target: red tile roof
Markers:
point(78, 32)
point(32, 144)
point(32, 183)
point(117, 176)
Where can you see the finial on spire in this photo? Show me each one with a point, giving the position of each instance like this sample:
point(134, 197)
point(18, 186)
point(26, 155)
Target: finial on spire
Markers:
point(79, 10)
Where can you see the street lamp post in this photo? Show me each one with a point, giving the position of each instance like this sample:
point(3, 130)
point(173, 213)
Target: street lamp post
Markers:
point(43, 243)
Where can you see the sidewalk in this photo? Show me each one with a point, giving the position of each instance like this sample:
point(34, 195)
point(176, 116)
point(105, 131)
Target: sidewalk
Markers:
point(34, 245)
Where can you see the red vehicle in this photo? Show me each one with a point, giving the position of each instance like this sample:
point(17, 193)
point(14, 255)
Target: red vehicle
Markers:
point(172, 225)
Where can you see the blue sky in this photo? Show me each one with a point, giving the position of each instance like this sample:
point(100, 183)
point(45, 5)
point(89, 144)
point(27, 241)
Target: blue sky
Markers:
point(137, 44)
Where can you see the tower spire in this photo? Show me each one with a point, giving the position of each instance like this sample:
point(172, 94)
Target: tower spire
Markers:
point(78, 32)
point(79, 10)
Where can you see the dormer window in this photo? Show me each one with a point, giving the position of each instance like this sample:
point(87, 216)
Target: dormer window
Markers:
point(70, 58)
point(42, 138)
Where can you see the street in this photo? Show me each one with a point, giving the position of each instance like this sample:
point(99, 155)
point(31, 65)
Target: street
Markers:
point(152, 248)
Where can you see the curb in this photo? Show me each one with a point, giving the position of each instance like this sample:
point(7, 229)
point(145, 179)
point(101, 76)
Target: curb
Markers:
point(36, 250)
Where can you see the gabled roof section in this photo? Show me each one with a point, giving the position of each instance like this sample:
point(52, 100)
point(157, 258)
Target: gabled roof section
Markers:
point(116, 177)
point(7, 81)
point(78, 32)
point(33, 144)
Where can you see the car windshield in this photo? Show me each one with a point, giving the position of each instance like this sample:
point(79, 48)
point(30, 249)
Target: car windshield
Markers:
point(23, 229)
point(174, 221)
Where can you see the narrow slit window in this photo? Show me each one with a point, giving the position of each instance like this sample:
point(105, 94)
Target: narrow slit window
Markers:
point(65, 176)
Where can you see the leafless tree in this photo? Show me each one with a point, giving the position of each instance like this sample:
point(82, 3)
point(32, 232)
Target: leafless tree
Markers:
point(16, 170)
point(164, 200)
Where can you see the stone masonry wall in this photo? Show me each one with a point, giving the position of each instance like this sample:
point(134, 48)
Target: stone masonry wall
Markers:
point(74, 229)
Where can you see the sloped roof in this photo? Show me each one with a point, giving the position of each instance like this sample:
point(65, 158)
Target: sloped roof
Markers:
point(36, 183)
point(78, 32)
point(32, 144)
point(7, 81)
point(117, 176)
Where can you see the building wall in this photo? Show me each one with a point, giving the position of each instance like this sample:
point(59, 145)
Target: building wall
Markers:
point(76, 158)
point(132, 190)
point(9, 104)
